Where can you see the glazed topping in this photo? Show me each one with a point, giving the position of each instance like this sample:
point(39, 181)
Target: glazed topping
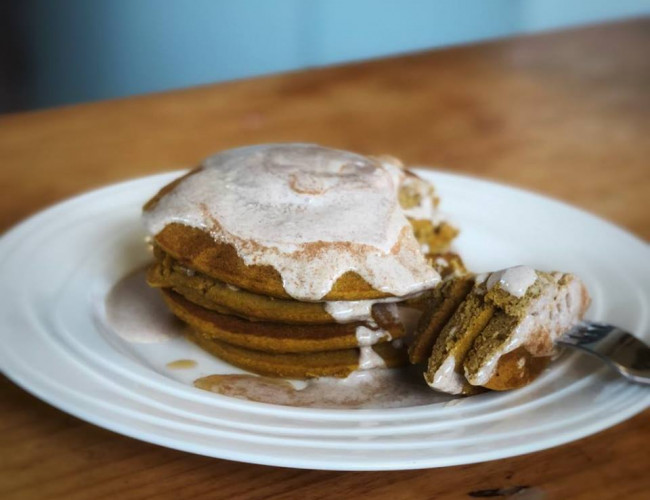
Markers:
point(514, 280)
point(447, 379)
point(310, 212)
point(135, 313)
point(369, 336)
point(345, 311)
point(361, 389)
point(369, 359)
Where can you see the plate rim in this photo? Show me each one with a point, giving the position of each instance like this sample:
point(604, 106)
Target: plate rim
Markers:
point(14, 232)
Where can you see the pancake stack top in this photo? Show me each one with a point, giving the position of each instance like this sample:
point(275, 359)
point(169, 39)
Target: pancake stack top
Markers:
point(309, 212)
point(319, 241)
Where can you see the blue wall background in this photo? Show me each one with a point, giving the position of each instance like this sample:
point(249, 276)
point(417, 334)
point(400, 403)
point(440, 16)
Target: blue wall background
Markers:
point(85, 50)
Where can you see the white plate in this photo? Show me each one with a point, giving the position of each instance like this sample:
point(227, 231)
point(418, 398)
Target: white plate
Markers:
point(58, 266)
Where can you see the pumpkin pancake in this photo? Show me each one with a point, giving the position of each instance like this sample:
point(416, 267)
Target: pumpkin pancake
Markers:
point(214, 294)
point(502, 332)
point(443, 303)
point(518, 342)
point(339, 363)
point(227, 299)
point(197, 250)
point(435, 237)
point(218, 296)
point(275, 337)
point(256, 217)
point(448, 264)
point(418, 199)
point(445, 365)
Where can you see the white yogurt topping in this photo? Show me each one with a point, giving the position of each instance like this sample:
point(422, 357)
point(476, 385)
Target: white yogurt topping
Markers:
point(135, 312)
point(346, 311)
point(387, 388)
point(554, 312)
point(312, 213)
point(367, 336)
point(369, 359)
point(447, 379)
point(514, 280)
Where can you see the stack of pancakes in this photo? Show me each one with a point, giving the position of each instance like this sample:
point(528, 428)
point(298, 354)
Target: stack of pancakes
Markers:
point(294, 260)
point(495, 331)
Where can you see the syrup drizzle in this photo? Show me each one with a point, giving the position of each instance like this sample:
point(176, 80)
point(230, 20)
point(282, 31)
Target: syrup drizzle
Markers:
point(379, 388)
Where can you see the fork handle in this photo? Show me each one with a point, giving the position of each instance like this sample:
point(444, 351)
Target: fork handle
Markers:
point(621, 350)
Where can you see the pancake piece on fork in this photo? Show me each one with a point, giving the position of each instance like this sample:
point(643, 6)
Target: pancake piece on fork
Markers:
point(495, 331)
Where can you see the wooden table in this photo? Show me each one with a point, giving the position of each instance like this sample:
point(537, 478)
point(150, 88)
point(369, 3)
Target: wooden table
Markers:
point(565, 114)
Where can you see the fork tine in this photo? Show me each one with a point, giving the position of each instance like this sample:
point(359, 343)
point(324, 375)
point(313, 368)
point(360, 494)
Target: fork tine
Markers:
point(583, 333)
point(624, 352)
point(595, 327)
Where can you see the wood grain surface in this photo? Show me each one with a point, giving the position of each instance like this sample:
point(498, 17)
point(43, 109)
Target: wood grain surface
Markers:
point(565, 114)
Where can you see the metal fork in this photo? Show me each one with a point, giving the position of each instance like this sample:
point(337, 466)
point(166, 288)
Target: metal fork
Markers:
point(619, 349)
